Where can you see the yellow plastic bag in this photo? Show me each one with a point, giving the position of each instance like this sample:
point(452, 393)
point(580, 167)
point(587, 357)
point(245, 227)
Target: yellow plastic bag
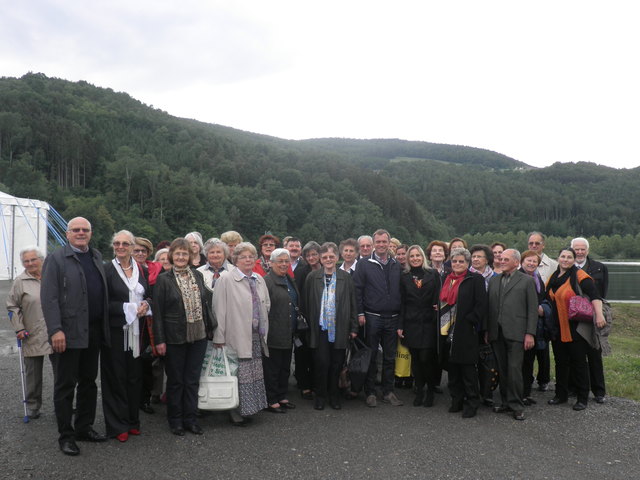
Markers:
point(403, 361)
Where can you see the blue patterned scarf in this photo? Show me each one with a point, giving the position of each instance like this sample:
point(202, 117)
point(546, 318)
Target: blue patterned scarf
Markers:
point(328, 309)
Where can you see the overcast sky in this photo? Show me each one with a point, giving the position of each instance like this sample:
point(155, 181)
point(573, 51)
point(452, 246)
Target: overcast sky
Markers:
point(541, 81)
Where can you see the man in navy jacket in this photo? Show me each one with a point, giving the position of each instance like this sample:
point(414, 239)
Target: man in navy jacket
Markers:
point(377, 281)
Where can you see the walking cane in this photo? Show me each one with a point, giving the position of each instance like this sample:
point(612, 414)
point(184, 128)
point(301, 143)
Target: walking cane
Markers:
point(22, 378)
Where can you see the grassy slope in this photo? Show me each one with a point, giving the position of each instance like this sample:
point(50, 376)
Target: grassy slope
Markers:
point(622, 368)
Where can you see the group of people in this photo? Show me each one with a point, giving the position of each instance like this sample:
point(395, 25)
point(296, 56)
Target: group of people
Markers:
point(141, 320)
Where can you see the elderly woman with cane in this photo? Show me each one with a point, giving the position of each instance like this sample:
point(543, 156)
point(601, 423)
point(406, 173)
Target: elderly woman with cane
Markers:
point(27, 319)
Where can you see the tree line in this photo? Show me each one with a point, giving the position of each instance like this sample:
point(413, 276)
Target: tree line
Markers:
point(102, 154)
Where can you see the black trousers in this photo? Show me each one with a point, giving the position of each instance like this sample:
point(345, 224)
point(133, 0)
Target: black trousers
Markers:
point(327, 363)
point(425, 367)
point(183, 364)
point(509, 355)
point(544, 365)
point(543, 376)
point(571, 362)
point(276, 374)
point(463, 384)
point(121, 376)
point(596, 372)
point(304, 365)
point(76, 370)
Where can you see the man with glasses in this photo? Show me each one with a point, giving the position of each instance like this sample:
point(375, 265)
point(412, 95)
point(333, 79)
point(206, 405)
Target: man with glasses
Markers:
point(75, 306)
point(547, 265)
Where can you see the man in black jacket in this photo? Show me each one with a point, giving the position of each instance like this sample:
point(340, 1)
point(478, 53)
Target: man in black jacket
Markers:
point(74, 302)
point(600, 275)
point(377, 281)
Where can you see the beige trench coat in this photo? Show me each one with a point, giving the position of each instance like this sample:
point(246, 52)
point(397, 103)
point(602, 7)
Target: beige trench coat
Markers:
point(234, 311)
point(24, 301)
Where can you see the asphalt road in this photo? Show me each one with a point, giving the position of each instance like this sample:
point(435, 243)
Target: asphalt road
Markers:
point(357, 442)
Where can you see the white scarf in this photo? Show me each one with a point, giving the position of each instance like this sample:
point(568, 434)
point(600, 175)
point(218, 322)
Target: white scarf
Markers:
point(136, 295)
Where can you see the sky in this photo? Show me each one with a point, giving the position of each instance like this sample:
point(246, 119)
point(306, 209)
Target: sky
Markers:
point(541, 82)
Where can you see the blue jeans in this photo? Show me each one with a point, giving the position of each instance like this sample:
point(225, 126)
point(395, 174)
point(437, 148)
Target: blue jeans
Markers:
point(381, 331)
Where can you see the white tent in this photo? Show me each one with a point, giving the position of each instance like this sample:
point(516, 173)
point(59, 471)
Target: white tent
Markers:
point(23, 222)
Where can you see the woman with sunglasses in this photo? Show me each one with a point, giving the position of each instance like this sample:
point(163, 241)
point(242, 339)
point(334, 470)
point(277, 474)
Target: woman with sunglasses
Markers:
point(120, 363)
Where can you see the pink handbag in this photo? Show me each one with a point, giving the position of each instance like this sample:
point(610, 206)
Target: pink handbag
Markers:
point(580, 309)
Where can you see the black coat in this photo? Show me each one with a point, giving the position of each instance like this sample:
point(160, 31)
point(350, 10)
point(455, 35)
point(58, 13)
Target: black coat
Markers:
point(418, 318)
point(169, 317)
point(470, 319)
point(119, 293)
point(281, 326)
point(600, 274)
point(65, 299)
point(346, 315)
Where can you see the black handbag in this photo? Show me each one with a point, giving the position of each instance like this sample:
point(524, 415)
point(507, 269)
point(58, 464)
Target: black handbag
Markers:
point(359, 364)
point(487, 370)
point(302, 325)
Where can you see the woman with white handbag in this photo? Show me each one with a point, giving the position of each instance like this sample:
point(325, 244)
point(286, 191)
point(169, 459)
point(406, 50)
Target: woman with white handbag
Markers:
point(241, 303)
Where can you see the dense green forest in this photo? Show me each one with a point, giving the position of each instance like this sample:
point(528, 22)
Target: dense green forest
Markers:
point(104, 155)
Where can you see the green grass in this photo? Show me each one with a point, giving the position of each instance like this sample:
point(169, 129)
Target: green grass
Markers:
point(622, 367)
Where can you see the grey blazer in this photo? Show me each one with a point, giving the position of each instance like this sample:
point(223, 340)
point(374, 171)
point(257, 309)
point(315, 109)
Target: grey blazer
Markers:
point(517, 313)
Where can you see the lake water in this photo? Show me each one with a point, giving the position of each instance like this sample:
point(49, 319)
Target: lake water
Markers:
point(624, 281)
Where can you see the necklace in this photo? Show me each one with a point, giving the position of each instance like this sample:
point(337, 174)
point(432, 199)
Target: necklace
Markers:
point(124, 269)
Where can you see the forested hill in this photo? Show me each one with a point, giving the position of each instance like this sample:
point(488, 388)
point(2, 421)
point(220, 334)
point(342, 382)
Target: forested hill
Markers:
point(377, 152)
point(94, 152)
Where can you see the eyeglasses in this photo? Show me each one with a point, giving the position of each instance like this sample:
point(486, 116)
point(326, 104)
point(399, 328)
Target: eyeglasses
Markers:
point(139, 250)
point(121, 244)
point(78, 230)
point(458, 261)
point(268, 244)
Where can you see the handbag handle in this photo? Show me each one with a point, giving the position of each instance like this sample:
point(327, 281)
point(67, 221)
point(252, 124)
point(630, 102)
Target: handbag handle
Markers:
point(227, 369)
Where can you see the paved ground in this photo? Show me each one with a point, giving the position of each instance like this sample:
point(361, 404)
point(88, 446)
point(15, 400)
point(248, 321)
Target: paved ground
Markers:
point(356, 442)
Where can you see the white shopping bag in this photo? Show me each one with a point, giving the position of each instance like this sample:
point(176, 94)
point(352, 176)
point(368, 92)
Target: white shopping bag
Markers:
point(218, 388)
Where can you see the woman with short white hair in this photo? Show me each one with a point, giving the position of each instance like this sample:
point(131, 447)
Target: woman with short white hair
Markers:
point(28, 322)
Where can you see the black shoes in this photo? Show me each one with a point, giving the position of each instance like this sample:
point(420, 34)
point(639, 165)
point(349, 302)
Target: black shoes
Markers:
point(487, 402)
point(319, 404)
point(275, 409)
point(501, 409)
point(147, 408)
point(306, 394)
point(528, 401)
point(556, 401)
point(69, 447)
point(469, 412)
point(579, 406)
point(543, 387)
point(419, 400)
point(90, 436)
point(599, 399)
point(195, 429)
point(455, 408)
point(519, 416)
point(429, 398)
point(287, 405)
point(179, 431)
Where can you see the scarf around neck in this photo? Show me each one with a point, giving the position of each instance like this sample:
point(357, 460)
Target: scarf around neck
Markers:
point(328, 309)
point(450, 286)
point(131, 328)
